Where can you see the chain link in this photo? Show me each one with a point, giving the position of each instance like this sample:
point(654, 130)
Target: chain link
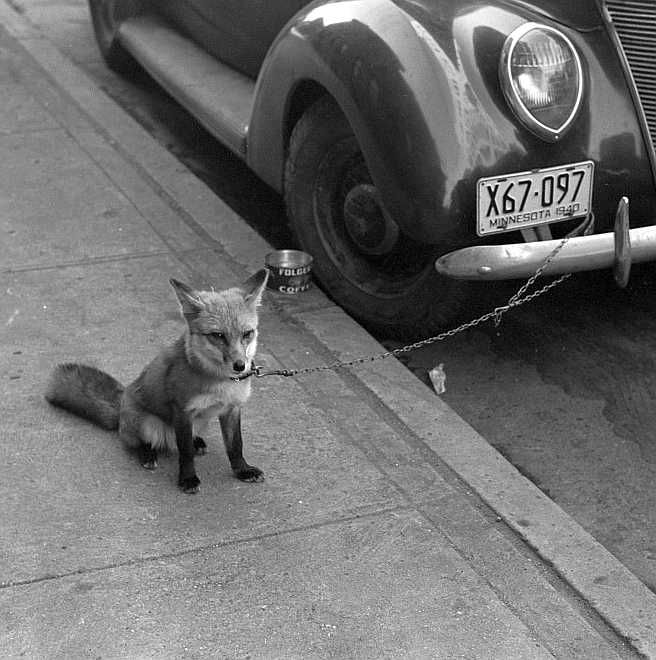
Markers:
point(518, 298)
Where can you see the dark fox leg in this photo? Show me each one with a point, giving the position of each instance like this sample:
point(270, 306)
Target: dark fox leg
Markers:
point(231, 430)
point(200, 446)
point(187, 479)
point(148, 456)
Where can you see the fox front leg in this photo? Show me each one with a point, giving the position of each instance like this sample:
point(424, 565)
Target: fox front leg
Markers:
point(231, 430)
point(187, 479)
point(148, 455)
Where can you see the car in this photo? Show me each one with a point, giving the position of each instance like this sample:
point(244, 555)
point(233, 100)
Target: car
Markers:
point(422, 145)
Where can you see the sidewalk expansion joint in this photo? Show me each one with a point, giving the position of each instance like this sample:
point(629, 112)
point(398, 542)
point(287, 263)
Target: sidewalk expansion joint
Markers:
point(180, 255)
point(16, 6)
point(89, 261)
point(205, 548)
point(23, 132)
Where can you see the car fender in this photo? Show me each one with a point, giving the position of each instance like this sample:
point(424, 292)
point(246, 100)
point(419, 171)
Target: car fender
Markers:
point(391, 78)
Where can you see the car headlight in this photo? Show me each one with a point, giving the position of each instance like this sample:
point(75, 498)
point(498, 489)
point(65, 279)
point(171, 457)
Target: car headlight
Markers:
point(542, 79)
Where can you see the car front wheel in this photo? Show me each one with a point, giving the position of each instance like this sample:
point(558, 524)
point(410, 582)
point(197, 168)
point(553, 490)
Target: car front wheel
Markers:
point(362, 258)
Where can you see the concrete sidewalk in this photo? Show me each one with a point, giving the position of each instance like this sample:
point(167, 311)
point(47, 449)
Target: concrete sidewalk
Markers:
point(386, 526)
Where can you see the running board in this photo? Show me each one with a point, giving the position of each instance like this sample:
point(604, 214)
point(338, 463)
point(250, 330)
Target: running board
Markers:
point(218, 96)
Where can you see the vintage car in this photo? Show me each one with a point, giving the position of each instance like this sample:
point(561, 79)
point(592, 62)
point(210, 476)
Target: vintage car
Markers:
point(420, 144)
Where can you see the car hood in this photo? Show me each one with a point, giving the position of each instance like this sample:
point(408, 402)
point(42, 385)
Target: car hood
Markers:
point(578, 14)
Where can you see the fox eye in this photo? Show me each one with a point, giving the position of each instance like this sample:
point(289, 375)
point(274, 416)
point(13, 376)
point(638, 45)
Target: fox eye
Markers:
point(248, 334)
point(216, 336)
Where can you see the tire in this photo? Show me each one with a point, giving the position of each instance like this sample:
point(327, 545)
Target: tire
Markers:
point(370, 268)
point(106, 17)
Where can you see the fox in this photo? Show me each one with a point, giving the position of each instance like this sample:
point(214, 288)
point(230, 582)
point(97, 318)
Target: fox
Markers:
point(190, 382)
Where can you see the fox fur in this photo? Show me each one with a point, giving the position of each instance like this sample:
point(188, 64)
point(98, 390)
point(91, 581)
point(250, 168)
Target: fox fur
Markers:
point(186, 385)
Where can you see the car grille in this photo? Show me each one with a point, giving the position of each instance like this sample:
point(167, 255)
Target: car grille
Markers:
point(635, 22)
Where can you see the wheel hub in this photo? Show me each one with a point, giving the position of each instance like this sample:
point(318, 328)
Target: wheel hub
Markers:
point(368, 224)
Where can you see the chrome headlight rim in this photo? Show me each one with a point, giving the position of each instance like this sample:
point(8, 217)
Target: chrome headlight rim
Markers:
point(543, 131)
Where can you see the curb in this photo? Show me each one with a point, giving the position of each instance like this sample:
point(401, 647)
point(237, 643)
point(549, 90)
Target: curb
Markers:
point(626, 605)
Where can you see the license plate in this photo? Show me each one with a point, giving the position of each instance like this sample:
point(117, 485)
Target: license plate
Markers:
point(526, 199)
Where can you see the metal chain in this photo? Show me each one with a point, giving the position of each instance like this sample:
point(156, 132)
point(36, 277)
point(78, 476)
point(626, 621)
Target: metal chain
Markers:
point(518, 298)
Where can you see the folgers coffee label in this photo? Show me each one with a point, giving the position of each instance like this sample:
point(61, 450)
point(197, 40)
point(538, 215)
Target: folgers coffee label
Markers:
point(293, 288)
point(282, 271)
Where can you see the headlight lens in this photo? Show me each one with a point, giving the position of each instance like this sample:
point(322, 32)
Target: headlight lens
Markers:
point(542, 79)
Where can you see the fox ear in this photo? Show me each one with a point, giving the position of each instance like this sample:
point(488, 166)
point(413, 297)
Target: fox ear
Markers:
point(189, 301)
point(253, 287)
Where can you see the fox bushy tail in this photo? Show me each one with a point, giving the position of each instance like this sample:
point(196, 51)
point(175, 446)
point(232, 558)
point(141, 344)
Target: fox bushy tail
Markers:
point(87, 392)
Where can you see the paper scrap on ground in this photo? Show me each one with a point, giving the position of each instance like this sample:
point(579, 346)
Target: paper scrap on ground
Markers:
point(438, 378)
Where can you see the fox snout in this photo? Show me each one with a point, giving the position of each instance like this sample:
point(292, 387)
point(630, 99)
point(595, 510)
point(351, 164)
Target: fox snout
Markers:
point(236, 357)
point(239, 366)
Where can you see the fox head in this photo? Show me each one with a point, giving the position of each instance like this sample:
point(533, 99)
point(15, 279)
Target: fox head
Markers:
point(221, 337)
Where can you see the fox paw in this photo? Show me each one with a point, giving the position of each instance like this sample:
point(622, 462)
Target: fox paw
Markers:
point(189, 485)
point(200, 446)
point(148, 457)
point(249, 473)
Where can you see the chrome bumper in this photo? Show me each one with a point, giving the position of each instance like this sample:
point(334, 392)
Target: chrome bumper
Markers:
point(617, 250)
